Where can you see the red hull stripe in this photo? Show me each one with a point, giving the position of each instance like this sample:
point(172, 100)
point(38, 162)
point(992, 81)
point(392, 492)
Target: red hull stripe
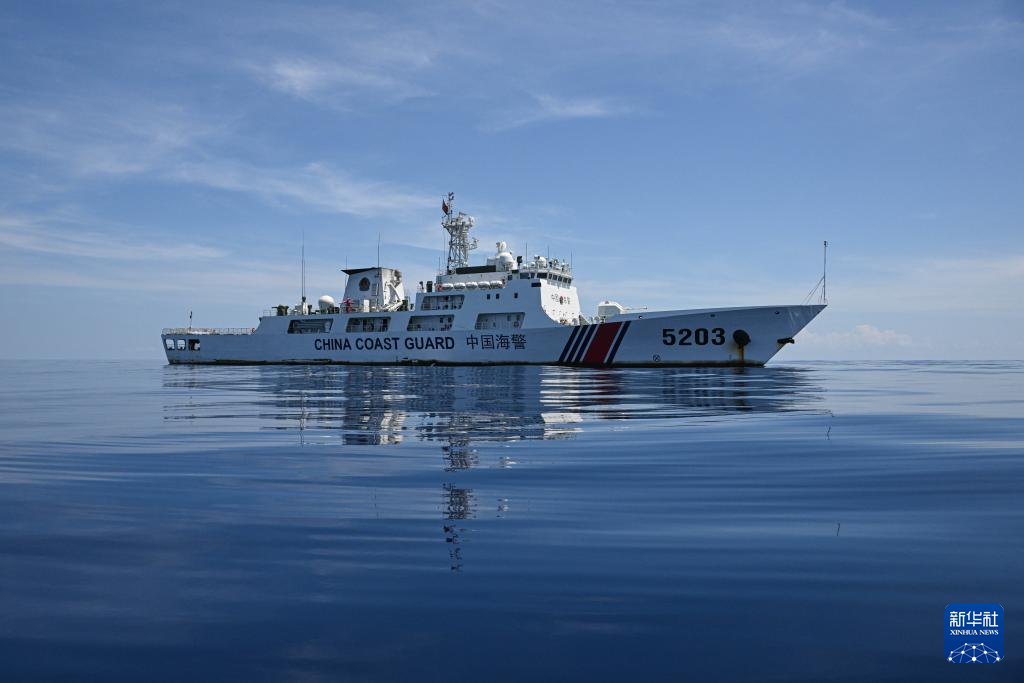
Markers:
point(618, 341)
point(602, 342)
point(582, 341)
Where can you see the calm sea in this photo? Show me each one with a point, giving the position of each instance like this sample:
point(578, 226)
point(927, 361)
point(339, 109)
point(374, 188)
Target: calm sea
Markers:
point(802, 521)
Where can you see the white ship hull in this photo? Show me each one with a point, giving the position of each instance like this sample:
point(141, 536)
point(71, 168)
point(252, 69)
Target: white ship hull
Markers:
point(703, 337)
point(509, 310)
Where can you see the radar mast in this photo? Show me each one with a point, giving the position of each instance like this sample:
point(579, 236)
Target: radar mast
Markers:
point(459, 242)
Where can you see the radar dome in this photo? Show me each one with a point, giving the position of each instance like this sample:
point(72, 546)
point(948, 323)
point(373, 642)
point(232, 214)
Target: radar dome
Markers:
point(325, 303)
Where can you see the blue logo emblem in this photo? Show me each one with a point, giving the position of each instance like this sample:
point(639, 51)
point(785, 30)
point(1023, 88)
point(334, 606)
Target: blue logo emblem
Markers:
point(974, 633)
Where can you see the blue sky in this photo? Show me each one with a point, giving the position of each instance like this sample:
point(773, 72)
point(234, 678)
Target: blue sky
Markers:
point(157, 158)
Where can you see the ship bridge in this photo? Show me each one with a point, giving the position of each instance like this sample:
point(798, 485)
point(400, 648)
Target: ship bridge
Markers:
point(505, 292)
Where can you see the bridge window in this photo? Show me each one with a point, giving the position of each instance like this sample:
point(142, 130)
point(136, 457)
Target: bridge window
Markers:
point(193, 344)
point(442, 302)
point(369, 324)
point(321, 326)
point(423, 323)
point(169, 343)
point(499, 321)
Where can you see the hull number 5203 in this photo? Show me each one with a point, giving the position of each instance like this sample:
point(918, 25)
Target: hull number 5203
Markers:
point(687, 337)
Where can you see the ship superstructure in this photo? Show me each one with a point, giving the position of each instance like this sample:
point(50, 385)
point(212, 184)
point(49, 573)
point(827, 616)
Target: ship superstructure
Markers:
point(507, 310)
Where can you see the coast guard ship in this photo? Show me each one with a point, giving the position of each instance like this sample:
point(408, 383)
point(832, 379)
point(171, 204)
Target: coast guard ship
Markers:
point(508, 310)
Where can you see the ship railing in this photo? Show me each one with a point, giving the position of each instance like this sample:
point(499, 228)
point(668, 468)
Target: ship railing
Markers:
point(272, 313)
point(208, 330)
point(338, 308)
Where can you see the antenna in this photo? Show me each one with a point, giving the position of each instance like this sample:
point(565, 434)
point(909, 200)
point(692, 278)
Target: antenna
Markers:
point(824, 272)
point(823, 299)
point(459, 241)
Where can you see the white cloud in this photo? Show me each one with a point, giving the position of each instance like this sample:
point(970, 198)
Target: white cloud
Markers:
point(109, 135)
point(339, 83)
point(173, 144)
point(798, 37)
point(30, 247)
point(861, 337)
point(296, 77)
point(547, 108)
point(37, 235)
point(698, 40)
point(315, 186)
point(250, 283)
point(336, 56)
point(989, 283)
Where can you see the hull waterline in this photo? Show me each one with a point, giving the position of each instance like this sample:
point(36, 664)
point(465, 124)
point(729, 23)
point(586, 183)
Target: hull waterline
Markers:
point(705, 337)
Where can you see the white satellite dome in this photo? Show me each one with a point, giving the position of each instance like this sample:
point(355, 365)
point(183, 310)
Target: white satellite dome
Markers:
point(325, 303)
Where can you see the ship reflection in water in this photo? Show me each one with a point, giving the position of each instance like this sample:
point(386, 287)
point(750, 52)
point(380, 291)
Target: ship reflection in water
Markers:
point(464, 408)
point(508, 523)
